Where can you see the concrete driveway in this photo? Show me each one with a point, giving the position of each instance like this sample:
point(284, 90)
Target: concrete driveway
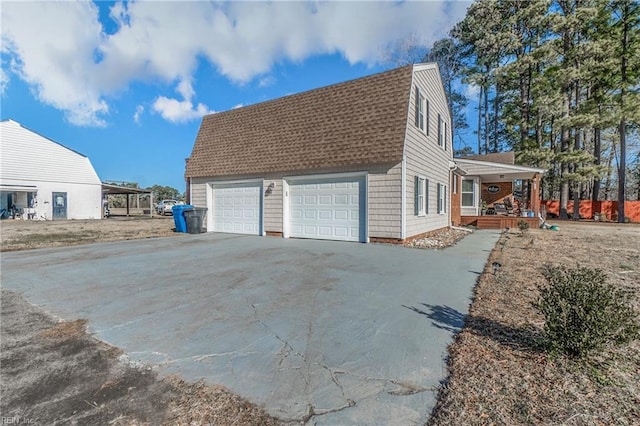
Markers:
point(340, 333)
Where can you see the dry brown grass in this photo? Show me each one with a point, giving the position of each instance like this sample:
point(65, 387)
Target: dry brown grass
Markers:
point(66, 330)
point(24, 234)
point(199, 404)
point(498, 372)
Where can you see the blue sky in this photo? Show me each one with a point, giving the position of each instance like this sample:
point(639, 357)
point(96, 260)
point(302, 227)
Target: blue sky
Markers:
point(126, 83)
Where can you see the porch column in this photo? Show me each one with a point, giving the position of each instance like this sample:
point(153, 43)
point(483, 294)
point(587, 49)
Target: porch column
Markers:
point(535, 195)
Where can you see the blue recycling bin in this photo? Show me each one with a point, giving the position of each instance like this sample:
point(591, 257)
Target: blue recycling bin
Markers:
point(178, 216)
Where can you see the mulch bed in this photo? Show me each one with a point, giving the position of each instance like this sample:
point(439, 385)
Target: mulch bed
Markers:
point(439, 239)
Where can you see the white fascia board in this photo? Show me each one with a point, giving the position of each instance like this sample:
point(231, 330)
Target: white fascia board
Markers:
point(424, 66)
point(512, 167)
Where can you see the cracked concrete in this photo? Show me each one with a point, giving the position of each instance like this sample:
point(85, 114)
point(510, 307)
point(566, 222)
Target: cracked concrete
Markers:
point(315, 331)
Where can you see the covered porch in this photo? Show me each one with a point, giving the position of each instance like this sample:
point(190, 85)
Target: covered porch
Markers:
point(18, 201)
point(496, 195)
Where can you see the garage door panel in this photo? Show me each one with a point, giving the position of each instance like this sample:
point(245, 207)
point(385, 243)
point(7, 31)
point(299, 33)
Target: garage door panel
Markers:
point(342, 215)
point(342, 232)
point(325, 214)
point(325, 199)
point(327, 209)
point(236, 208)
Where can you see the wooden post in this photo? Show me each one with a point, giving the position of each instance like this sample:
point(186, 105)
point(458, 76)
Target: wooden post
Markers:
point(535, 195)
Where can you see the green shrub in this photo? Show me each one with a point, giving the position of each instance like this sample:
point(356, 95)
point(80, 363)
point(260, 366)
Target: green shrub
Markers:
point(583, 313)
point(523, 226)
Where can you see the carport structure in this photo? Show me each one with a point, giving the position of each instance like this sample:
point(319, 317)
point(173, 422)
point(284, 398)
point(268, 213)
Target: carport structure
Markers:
point(111, 189)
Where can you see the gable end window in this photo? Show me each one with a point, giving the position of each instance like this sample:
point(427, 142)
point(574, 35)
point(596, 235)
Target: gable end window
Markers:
point(421, 196)
point(420, 110)
point(442, 132)
point(426, 119)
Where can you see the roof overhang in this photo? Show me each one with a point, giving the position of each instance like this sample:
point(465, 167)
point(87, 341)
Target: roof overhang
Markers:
point(18, 188)
point(108, 188)
point(498, 172)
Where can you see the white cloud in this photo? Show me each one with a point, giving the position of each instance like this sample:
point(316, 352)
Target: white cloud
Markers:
point(236, 106)
point(178, 111)
point(63, 52)
point(138, 113)
point(52, 47)
point(266, 81)
point(4, 80)
point(471, 91)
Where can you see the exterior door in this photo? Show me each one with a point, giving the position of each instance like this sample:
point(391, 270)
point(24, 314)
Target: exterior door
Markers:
point(59, 204)
point(328, 208)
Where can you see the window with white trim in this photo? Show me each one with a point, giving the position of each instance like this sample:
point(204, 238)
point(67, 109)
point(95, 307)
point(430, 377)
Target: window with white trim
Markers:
point(426, 118)
point(468, 193)
point(442, 201)
point(421, 106)
point(454, 183)
point(421, 196)
point(442, 132)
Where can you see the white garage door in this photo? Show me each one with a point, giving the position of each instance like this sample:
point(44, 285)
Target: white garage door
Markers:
point(328, 208)
point(236, 208)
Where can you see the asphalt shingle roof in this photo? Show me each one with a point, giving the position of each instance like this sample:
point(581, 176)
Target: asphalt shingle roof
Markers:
point(495, 157)
point(356, 123)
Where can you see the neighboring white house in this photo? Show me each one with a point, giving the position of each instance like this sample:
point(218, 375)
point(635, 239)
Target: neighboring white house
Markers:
point(364, 160)
point(42, 179)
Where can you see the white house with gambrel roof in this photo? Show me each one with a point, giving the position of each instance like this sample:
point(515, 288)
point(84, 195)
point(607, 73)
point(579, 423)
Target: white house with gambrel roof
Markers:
point(42, 179)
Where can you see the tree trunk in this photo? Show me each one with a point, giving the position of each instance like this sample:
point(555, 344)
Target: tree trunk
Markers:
point(597, 153)
point(496, 105)
point(622, 170)
point(576, 201)
point(607, 184)
point(486, 112)
point(564, 147)
point(622, 164)
point(539, 131)
point(480, 120)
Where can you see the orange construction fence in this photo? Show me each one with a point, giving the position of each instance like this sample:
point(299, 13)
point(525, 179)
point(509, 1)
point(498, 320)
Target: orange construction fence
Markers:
point(589, 209)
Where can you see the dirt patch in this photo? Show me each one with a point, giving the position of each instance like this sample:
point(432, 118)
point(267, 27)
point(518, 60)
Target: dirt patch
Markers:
point(498, 372)
point(25, 234)
point(55, 373)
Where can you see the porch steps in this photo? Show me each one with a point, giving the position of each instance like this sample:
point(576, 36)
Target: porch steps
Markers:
point(498, 221)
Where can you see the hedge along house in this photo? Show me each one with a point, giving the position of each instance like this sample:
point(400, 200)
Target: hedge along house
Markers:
point(364, 160)
point(42, 179)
